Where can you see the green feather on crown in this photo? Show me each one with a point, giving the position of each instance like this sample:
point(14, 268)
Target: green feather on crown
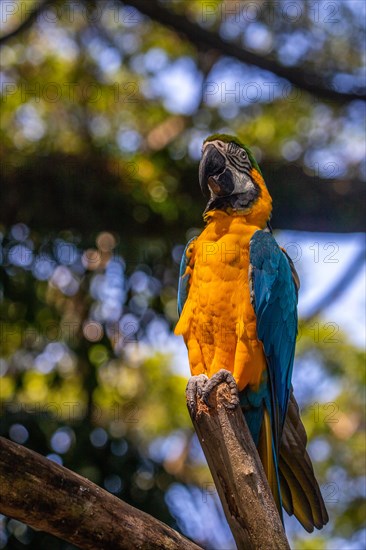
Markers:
point(227, 139)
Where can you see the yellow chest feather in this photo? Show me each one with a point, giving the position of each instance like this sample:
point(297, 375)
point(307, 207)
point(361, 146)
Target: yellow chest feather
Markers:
point(218, 321)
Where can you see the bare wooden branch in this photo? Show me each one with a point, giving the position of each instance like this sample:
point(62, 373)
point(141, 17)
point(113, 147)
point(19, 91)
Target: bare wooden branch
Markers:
point(51, 498)
point(238, 475)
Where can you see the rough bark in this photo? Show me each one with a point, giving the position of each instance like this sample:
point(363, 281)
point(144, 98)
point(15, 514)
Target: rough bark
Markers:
point(51, 498)
point(238, 475)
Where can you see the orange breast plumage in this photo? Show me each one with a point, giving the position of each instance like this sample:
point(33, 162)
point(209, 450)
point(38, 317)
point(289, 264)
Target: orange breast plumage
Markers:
point(218, 322)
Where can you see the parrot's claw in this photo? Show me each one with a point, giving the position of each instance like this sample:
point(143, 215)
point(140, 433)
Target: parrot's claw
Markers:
point(195, 387)
point(218, 378)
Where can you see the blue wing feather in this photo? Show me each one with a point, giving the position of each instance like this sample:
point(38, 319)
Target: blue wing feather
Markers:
point(275, 306)
point(184, 279)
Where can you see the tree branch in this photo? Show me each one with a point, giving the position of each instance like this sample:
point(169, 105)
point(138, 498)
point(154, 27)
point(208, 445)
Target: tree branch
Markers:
point(238, 475)
point(203, 39)
point(27, 23)
point(51, 498)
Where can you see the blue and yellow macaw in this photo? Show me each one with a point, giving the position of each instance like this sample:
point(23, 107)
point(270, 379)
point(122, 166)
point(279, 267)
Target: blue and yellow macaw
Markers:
point(237, 301)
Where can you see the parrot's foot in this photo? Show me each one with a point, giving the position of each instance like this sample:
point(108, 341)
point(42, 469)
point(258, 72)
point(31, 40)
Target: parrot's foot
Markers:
point(218, 378)
point(195, 388)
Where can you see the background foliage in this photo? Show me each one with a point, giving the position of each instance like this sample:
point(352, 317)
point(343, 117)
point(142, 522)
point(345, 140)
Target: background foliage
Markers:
point(103, 113)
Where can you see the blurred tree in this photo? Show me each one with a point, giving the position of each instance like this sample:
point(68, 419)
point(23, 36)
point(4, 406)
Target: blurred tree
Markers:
point(103, 115)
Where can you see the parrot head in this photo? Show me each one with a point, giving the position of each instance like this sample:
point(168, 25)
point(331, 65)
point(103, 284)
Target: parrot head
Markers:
point(229, 174)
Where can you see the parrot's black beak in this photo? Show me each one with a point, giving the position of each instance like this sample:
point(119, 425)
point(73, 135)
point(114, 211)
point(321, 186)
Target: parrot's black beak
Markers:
point(212, 164)
point(214, 177)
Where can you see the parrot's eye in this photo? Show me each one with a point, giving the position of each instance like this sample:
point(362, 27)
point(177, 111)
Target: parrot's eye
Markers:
point(242, 154)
